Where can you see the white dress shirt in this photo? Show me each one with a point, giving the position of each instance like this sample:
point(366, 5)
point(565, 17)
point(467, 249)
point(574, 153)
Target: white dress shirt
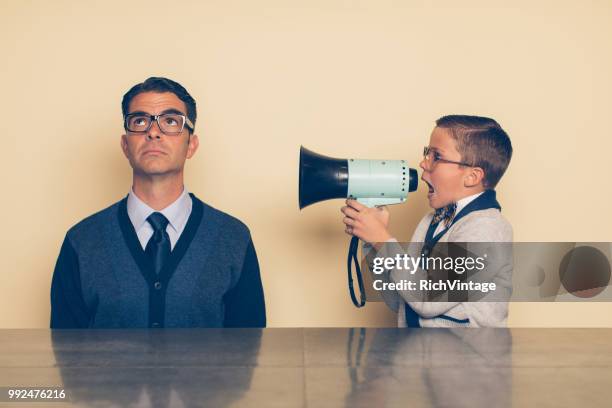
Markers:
point(177, 214)
point(460, 205)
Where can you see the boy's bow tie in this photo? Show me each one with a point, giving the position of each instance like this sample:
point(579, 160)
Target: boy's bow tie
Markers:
point(445, 214)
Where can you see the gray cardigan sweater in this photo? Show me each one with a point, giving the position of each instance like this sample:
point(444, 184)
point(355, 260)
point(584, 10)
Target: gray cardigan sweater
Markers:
point(486, 225)
point(103, 279)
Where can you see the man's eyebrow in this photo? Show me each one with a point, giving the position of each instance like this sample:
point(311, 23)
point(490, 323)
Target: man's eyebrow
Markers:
point(172, 110)
point(138, 113)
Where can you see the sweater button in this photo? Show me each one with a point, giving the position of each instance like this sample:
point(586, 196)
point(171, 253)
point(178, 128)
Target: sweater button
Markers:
point(157, 285)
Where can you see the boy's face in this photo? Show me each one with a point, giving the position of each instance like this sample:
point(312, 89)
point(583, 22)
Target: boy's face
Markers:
point(446, 181)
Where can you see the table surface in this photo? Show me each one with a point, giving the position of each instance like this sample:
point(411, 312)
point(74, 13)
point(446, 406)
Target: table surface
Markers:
point(313, 367)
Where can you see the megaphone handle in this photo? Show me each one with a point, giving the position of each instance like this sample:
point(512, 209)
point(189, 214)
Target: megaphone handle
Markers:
point(352, 258)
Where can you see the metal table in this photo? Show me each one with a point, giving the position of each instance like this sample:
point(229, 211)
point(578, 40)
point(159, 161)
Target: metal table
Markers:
point(312, 367)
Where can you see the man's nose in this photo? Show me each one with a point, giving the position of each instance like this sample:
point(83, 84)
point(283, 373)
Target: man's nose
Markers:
point(154, 131)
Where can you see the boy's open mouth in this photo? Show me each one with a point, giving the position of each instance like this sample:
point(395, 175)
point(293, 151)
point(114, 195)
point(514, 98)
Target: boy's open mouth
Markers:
point(430, 186)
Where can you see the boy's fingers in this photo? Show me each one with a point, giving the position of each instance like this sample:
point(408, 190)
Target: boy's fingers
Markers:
point(352, 231)
point(349, 221)
point(356, 204)
point(349, 212)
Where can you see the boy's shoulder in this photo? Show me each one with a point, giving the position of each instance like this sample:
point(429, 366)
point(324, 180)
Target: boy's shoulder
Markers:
point(487, 225)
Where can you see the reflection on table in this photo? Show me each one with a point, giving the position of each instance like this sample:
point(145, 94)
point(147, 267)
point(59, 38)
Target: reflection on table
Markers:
point(313, 367)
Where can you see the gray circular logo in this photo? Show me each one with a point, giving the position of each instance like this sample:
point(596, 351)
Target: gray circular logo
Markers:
point(584, 272)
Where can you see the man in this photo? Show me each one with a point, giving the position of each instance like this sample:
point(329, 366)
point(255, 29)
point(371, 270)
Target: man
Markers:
point(160, 257)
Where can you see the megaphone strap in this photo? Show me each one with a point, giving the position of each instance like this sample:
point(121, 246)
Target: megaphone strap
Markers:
point(352, 259)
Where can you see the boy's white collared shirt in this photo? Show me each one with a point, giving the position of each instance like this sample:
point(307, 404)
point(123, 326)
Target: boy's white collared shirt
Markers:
point(177, 214)
point(460, 206)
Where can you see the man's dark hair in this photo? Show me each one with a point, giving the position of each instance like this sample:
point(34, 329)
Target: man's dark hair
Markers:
point(160, 85)
point(482, 143)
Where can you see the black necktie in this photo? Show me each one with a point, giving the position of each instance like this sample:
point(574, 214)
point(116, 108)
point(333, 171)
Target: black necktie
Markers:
point(158, 247)
point(445, 215)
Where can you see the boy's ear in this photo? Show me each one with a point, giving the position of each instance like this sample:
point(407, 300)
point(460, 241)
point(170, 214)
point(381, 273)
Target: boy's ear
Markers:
point(473, 177)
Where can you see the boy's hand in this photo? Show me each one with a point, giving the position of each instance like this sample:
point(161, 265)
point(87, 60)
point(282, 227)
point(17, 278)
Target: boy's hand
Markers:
point(368, 224)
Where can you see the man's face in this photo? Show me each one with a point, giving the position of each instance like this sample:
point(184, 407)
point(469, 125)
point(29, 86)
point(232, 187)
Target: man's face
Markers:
point(446, 181)
point(153, 152)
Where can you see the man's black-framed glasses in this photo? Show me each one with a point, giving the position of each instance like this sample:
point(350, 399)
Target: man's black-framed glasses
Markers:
point(432, 157)
point(169, 123)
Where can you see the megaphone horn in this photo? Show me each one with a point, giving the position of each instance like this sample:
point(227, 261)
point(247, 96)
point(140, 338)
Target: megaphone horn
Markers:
point(321, 177)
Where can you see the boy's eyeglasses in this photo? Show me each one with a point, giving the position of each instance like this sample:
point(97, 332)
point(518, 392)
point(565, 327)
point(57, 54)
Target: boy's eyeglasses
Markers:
point(432, 157)
point(168, 123)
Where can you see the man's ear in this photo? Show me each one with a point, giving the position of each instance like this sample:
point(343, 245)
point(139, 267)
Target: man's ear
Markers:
point(474, 176)
point(124, 145)
point(192, 145)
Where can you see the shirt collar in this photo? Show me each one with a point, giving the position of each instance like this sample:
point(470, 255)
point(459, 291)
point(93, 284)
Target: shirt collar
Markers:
point(465, 201)
point(177, 213)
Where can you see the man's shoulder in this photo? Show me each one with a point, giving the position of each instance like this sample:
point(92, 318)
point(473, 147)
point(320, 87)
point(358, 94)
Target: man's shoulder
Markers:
point(229, 224)
point(94, 222)
point(487, 225)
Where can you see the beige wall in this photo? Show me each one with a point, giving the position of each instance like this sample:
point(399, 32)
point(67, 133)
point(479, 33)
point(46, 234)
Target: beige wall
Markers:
point(345, 78)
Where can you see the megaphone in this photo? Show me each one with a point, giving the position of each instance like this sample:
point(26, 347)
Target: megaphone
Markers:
point(371, 182)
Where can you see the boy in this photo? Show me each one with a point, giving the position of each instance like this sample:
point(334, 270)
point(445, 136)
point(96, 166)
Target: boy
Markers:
point(465, 159)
